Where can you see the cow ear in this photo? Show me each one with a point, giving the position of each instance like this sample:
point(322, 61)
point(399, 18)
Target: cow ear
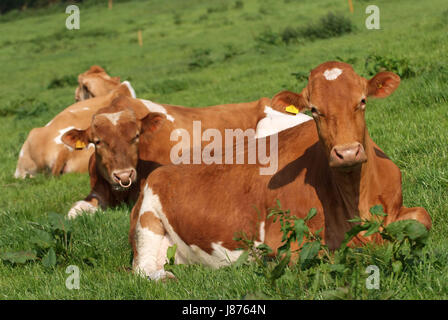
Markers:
point(76, 139)
point(95, 69)
point(153, 122)
point(285, 99)
point(383, 84)
point(122, 90)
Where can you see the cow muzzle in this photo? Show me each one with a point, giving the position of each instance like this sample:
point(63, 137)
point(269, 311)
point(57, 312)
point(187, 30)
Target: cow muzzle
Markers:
point(124, 178)
point(347, 155)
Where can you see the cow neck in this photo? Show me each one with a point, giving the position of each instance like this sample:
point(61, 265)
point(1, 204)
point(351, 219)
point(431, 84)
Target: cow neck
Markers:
point(352, 186)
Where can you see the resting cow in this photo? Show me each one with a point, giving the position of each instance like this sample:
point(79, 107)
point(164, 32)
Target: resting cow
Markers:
point(43, 149)
point(330, 164)
point(122, 158)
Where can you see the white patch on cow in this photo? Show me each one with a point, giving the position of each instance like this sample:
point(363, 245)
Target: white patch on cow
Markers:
point(151, 248)
point(223, 256)
point(150, 245)
point(90, 145)
point(262, 232)
point(160, 275)
point(113, 117)
point(80, 207)
point(154, 107)
point(79, 110)
point(332, 74)
point(49, 123)
point(58, 139)
point(131, 90)
point(18, 174)
point(276, 121)
point(21, 153)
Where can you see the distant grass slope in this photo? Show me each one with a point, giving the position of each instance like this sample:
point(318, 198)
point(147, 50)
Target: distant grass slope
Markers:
point(199, 53)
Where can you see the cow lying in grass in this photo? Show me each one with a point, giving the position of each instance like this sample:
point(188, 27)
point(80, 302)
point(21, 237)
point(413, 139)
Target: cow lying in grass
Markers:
point(43, 149)
point(133, 137)
point(330, 164)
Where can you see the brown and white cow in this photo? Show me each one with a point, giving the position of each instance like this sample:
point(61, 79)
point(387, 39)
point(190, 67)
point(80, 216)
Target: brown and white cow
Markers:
point(330, 164)
point(132, 137)
point(43, 149)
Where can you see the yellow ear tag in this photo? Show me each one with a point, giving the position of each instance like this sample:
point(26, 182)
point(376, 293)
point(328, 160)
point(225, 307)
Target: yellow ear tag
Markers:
point(80, 145)
point(379, 85)
point(292, 109)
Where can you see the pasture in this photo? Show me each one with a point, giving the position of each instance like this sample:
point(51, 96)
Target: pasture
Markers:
point(199, 53)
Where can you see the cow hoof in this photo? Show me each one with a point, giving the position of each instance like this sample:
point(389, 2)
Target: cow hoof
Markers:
point(160, 275)
point(79, 208)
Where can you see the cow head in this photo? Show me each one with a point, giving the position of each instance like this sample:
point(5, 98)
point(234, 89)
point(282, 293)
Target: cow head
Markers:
point(115, 131)
point(337, 97)
point(95, 82)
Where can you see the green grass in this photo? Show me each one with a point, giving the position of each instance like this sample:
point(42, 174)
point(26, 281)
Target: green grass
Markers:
point(36, 51)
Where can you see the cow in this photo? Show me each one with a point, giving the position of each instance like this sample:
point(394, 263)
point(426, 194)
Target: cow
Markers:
point(330, 164)
point(43, 150)
point(121, 162)
point(95, 82)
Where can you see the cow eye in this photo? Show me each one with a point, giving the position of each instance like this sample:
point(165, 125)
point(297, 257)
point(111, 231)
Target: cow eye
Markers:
point(97, 142)
point(316, 113)
point(362, 104)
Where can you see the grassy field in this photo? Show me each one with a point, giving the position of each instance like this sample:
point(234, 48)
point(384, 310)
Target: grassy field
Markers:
point(198, 53)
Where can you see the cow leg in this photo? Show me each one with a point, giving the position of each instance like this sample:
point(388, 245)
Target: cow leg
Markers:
point(79, 207)
point(59, 164)
point(415, 213)
point(151, 244)
point(25, 165)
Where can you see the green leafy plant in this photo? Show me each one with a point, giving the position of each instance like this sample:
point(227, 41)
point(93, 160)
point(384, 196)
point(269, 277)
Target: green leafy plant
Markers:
point(294, 230)
point(328, 26)
point(231, 51)
point(217, 8)
point(238, 4)
point(376, 63)
point(200, 58)
point(406, 240)
point(407, 237)
point(290, 35)
point(170, 256)
point(268, 37)
point(50, 240)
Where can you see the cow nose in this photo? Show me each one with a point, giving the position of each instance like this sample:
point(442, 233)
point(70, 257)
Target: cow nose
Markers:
point(347, 155)
point(124, 177)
